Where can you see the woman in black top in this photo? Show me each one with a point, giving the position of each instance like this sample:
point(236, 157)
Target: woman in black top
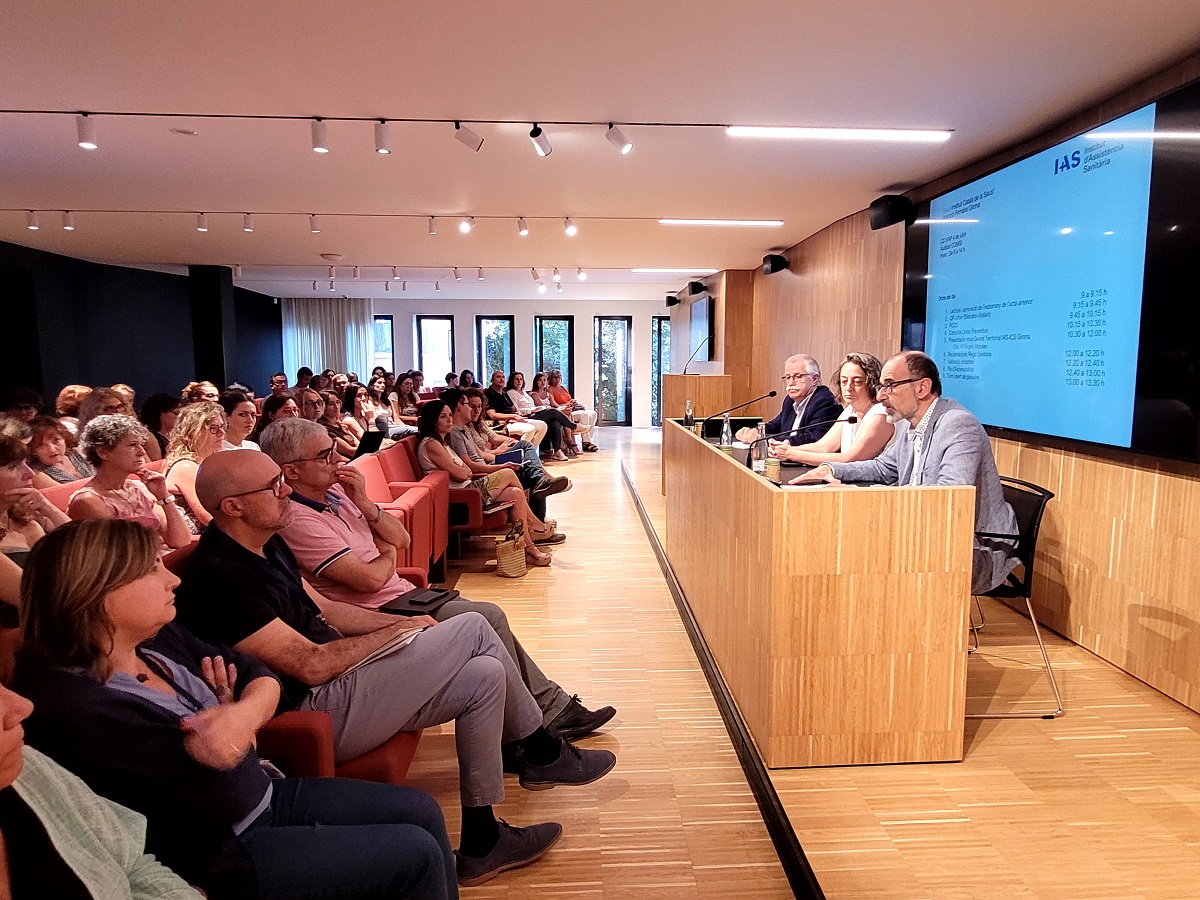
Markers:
point(158, 721)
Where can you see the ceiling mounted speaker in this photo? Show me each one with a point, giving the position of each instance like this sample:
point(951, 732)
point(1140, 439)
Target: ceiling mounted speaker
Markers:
point(891, 209)
point(672, 299)
point(696, 287)
point(773, 263)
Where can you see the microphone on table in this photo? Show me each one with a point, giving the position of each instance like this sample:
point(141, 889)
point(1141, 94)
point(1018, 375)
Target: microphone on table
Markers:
point(693, 356)
point(732, 408)
point(784, 436)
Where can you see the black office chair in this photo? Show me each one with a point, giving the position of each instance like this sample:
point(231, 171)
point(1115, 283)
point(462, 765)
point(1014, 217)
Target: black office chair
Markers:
point(1028, 502)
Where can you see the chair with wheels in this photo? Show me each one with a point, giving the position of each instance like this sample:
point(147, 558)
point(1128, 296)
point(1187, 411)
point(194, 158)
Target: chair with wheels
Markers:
point(1028, 502)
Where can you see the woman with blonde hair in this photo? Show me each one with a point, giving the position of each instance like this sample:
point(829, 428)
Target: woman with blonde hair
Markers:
point(199, 433)
point(123, 487)
point(194, 391)
point(854, 386)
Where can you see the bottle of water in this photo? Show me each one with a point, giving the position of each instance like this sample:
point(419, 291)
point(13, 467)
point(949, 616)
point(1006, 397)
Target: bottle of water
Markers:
point(689, 418)
point(760, 449)
point(726, 432)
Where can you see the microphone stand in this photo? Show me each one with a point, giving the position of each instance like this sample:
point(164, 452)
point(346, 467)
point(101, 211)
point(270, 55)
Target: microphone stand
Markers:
point(733, 408)
point(693, 356)
point(783, 436)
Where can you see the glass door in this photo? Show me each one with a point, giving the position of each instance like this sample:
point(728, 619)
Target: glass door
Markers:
point(613, 372)
point(660, 363)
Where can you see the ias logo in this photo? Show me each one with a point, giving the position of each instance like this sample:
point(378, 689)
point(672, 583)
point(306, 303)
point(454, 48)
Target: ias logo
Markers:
point(1066, 162)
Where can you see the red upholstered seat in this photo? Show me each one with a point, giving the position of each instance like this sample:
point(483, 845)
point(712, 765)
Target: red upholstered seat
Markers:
point(411, 504)
point(60, 494)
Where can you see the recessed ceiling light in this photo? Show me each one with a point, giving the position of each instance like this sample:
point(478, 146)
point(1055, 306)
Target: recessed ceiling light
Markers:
point(727, 223)
point(674, 271)
point(901, 135)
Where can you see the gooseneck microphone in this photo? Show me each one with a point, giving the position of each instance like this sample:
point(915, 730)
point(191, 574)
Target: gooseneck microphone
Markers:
point(693, 356)
point(733, 408)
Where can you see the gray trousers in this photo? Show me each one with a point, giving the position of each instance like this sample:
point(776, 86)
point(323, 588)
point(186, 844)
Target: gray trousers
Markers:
point(455, 671)
point(551, 699)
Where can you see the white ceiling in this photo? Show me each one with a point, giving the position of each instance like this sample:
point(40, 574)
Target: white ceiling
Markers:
point(994, 73)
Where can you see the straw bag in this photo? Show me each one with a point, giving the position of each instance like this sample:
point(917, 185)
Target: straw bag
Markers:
point(510, 553)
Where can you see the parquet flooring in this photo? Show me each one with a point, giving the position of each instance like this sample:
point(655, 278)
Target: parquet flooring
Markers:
point(676, 818)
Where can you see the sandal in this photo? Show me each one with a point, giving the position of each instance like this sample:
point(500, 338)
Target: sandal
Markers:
point(541, 559)
point(589, 447)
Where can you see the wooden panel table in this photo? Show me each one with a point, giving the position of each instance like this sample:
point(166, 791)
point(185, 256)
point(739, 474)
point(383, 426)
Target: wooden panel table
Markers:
point(837, 615)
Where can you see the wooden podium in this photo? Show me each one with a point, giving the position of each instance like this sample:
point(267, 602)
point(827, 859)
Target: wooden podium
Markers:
point(837, 614)
point(709, 394)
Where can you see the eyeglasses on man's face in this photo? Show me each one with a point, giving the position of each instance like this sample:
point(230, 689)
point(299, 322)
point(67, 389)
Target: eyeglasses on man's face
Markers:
point(788, 379)
point(325, 457)
point(886, 387)
point(275, 487)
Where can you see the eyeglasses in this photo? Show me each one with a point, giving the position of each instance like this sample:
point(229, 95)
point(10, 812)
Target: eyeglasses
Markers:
point(791, 378)
point(886, 387)
point(325, 457)
point(275, 487)
point(217, 428)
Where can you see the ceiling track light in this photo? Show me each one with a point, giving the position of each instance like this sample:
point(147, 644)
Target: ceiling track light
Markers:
point(560, 288)
point(356, 272)
point(466, 136)
point(541, 286)
point(248, 223)
point(85, 129)
point(617, 138)
point(432, 225)
point(387, 287)
point(557, 276)
point(332, 273)
point(331, 287)
point(581, 275)
point(479, 274)
point(68, 220)
point(404, 286)
point(457, 277)
point(320, 136)
point(31, 221)
point(534, 273)
point(541, 143)
point(383, 137)
point(237, 271)
point(467, 223)
point(201, 222)
point(437, 286)
point(313, 226)
point(570, 227)
point(395, 273)
point(522, 227)
point(314, 285)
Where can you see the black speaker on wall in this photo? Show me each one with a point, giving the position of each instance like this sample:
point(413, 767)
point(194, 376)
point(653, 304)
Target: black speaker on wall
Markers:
point(773, 263)
point(672, 299)
point(891, 209)
point(696, 287)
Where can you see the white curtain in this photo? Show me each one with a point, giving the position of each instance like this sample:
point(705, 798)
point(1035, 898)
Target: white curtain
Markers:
point(328, 333)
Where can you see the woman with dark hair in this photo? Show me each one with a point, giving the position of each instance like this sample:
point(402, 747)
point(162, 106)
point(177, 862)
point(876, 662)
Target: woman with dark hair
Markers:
point(466, 379)
point(158, 415)
point(405, 400)
point(160, 722)
point(25, 513)
point(559, 426)
point(241, 417)
point(53, 456)
point(418, 381)
point(331, 420)
point(274, 407)
point(356, 410)
point(434, 452)
point(123, 487)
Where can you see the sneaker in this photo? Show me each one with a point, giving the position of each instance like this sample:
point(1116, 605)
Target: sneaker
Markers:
point(576, 720)
point(549, 486)
point(573, 766)
point(556, 538)
point(517, 847)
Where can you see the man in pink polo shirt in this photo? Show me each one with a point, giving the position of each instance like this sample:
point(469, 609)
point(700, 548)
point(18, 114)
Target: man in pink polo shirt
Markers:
point(346, 547)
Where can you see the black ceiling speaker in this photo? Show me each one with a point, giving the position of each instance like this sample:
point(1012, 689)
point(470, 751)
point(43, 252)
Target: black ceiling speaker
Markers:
point(696, 287)
point(672, 299)
point(773, 263)
point(890, 209)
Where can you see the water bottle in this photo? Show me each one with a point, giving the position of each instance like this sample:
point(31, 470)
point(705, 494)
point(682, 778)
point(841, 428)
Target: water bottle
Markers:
point(689, 418)
point(726, 432)
point(760, 450)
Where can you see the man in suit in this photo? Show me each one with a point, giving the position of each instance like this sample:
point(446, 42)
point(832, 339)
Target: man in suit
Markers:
point(809, 409)
point(937, 442)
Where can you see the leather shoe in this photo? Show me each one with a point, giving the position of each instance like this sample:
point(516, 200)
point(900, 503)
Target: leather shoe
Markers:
point(517, 847)
point(556, 537)
point(573, 766)
point(576, 720)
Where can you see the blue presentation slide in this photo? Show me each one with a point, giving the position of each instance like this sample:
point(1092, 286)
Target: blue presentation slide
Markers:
point(1035, 286)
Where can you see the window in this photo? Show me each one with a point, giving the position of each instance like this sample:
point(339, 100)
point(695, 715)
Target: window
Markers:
point(493, 346)
point(554, 347)
point(614, 376)
point(660, 363)
point(384, 356)
point(435, 348)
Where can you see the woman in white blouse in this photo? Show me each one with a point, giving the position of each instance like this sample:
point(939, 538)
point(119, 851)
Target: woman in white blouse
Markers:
point(560, 433)
point(854, 387)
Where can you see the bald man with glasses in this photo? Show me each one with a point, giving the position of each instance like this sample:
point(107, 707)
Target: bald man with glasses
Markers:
point(809, 410)
point(937, 442)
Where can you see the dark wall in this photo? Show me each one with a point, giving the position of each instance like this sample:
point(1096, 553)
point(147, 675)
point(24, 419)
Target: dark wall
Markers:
point(89, 323)
point(258, 320)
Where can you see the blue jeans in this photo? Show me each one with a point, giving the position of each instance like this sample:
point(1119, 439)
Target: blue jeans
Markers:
point(339, 838)
point(532, 471)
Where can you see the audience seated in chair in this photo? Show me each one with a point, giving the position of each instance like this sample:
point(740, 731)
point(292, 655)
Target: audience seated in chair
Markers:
point(584, 417)
point(503, 414)
point(559, 427)
point(53, 456)
point(241, 418)
point(331, 421)
point(276, 406)
point(158, 721)
point(66, 405)
point(242, 588)
point(199, 433)
point(158, 414)
point(25, 513)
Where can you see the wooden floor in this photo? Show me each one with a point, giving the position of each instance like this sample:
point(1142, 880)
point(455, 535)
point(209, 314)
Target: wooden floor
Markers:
point(1102, 803)
point(676, 817)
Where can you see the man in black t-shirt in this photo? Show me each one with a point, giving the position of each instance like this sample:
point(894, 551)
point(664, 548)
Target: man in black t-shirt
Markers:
point(375, 675)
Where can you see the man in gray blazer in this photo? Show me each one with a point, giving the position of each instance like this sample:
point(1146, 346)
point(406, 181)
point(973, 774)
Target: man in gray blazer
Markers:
point(937, 442)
